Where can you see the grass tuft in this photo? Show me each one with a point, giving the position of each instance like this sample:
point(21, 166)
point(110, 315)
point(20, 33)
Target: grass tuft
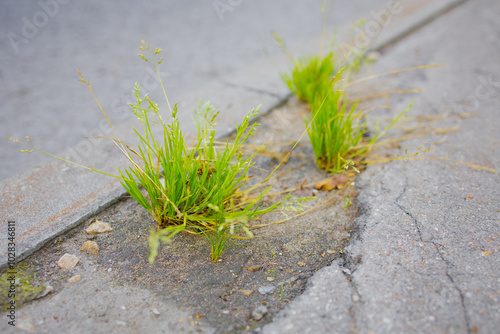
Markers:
point(335, 127)
point(197, 188)
point(194, 189)
point(310, 77)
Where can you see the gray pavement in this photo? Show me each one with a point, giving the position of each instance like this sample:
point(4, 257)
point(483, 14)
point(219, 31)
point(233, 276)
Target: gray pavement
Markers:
point(425, 258)
point(42, 43)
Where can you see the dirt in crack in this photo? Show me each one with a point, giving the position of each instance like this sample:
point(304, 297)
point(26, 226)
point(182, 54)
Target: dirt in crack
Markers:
point(269, 270)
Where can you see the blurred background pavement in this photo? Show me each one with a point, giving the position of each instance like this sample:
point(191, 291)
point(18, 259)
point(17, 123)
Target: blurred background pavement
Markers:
point(42, 43)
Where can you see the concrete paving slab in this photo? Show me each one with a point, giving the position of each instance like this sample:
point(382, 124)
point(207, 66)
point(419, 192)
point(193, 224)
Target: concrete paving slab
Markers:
point(383, 26)
point(104, 307)
point(425, 259)
point(54, 197)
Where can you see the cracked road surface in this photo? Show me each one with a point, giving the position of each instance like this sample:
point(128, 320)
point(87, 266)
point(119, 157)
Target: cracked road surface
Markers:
point(425, 259)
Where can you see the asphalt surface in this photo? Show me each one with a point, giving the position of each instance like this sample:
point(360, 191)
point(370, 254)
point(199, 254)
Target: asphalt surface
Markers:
point(425, 259)
point(425, 255)
point(42, 43)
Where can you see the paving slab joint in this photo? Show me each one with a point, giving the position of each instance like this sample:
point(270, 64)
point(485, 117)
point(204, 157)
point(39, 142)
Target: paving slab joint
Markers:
point(421, 24)
point(256, 90)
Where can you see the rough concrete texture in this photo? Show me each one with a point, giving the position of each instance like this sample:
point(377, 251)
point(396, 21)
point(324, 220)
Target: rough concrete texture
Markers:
point(53, 196)
point(425, 259)
point(110, 309)
point(321, 308)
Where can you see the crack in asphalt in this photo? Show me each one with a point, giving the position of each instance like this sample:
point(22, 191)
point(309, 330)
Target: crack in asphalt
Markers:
point(346, 269)
point(417, 224)
point(441, 255)
point(408, 213)
point(348, 265)
point(450, 277)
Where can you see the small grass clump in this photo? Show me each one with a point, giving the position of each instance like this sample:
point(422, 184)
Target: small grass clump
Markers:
point(337, 130)
point(310, 76)
point(193, 188)
point(333, 130)
point(335, 127)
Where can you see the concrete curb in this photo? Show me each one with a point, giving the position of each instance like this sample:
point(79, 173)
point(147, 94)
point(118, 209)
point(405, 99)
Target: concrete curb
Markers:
point(52, 197)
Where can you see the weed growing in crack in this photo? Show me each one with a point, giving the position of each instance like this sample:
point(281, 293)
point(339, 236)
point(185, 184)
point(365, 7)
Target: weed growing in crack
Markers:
point(197, 188)
point(333, 131)
point(310, 76)
point(347, 202)
point(194, 189)
point(281, 292)
point(335, 127)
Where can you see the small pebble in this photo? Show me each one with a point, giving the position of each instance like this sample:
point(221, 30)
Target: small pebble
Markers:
point(48, 289)
point(67, 261)
point(90, 247)
point(346, 271)
point(266, 290)
point(246, 292)
point(155, 311)
point(259, 312)
point(255, 268)
point(75, 279)
point(98, 227)
point(26, 326)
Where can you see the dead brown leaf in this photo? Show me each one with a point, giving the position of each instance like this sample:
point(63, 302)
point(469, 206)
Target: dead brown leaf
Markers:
point(331, 183)
point(256, 268)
